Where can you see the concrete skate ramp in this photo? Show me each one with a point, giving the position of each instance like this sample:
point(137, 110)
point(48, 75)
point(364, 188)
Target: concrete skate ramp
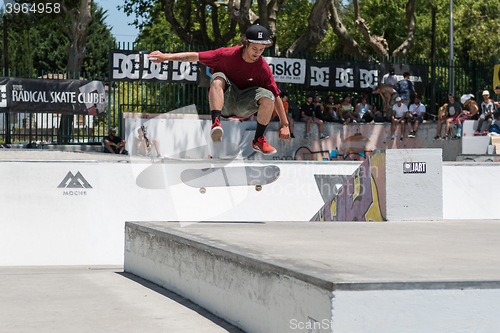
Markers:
point(396, 184)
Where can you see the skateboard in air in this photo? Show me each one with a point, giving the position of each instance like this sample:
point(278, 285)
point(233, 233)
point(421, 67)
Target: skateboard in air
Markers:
point(230, 176)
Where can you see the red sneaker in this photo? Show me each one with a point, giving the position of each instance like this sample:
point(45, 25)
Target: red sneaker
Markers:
point(216, 132)
point(477, 133)
point(262, 146)
point(485, 133)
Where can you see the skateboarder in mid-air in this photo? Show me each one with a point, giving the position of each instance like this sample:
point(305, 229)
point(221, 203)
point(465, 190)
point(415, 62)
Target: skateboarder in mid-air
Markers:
point(242, 84)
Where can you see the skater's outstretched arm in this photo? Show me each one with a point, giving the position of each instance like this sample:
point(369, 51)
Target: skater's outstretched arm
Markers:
point(157, 56)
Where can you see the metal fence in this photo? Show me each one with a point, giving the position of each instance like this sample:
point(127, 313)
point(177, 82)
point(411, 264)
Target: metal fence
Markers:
point(147, 97)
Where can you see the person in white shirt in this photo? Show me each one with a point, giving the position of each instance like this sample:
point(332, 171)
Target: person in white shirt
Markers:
point(486, 115)
point(399, 111)
point(415, 116)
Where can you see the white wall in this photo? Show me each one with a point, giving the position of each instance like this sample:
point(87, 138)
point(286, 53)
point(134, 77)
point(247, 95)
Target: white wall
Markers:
point(470, 191)
point(42, 226)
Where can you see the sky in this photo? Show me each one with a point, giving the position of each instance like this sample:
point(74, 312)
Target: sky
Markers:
point(118, 20)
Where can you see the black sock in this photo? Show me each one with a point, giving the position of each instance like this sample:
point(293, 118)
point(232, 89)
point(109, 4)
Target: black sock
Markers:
point(259, 131)
point(215, 114)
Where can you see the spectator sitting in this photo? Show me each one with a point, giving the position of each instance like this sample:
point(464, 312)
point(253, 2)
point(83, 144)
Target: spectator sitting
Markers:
point(330, 110)
point(309, 117)
point(284, 99)
point(365, 112)
point(466, 114)
point(347, 114)
point(488, 109)
point(143, 145)
point(452, 112)
point(415, 116)
point(114, 144)
point(398, 117)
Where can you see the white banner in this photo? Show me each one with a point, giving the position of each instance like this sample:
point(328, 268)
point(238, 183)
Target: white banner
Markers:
point(287, 70)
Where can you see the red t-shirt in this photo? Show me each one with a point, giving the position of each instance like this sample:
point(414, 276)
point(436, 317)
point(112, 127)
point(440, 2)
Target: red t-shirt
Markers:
point(229, 61)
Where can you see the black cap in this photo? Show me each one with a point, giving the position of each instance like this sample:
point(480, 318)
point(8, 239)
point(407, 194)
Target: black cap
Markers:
point(392, 71)
point(258, 34)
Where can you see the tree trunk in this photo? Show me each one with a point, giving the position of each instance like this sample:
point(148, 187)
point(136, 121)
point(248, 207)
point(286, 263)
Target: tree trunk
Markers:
point(350, 45)
point(80, 19)
point(198, 37)
point(316, 29)
point(377, 43)
point(405, 47)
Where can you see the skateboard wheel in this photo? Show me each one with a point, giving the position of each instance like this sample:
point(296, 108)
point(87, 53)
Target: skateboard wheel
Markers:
point(203, 190)
point(258, 187)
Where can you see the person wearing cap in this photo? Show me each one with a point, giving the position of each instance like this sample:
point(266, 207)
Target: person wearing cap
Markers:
point(399, 111)
point(453, 110)
point(308, 115)
point(114, 144)
point(416, 113)
point(390, 79)
point(242, 84)
point(473, 109)
point(486, 115)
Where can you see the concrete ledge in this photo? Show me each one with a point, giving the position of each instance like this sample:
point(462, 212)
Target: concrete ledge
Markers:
point(264, 286)
point(248, 292)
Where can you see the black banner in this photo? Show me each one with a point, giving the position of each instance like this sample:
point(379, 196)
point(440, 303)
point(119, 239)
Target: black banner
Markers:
point(135, 65)
point(59, 96)
point(358, 76)
point(341, 76)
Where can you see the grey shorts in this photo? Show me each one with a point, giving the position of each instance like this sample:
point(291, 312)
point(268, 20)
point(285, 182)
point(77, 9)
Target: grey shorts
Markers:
point(419, 120)
point(241, 103)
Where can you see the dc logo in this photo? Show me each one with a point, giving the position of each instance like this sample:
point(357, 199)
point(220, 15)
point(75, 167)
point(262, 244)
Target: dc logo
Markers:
point(368, 78)
point(344, 77)
point(154, 71)
point(184, 71)
point(320, 76)
point(3, 96)
point(126, 66)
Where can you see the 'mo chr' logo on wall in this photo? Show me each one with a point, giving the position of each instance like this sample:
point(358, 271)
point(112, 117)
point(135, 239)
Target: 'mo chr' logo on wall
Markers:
point(76, 181)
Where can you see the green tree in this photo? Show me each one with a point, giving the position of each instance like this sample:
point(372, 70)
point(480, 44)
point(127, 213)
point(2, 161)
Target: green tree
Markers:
point(98, 38)
point(41, 44)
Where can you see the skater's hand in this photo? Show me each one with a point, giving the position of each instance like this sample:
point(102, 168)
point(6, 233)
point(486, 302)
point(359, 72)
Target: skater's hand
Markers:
point(284, 133)
point(157, 57)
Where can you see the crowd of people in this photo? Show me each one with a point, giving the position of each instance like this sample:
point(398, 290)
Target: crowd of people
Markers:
point(401, 106)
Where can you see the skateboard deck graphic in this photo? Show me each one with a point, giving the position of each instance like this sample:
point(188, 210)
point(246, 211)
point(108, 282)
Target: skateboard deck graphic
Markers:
point(231, 176)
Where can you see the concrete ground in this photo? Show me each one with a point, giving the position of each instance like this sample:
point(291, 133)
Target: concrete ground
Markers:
point(95, 299)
